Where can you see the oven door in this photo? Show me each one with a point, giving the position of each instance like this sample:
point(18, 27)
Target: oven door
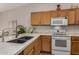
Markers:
point(61, 43)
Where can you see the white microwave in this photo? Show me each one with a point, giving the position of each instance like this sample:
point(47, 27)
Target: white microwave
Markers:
point(59, 21)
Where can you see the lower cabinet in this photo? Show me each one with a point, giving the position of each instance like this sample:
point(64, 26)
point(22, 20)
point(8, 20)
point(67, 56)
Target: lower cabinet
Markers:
point(46, 44)
point(29, 50)
point(75, 46)
point(34, 48)
point(41, 44)
point(37, 46)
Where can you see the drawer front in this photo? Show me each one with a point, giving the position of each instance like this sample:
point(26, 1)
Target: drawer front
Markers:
point(75, 38)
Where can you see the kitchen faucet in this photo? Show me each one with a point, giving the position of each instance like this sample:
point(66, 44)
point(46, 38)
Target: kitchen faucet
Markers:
point(16, 35)
point(2, 36)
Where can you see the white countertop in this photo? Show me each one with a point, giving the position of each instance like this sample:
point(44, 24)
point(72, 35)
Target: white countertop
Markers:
point(7, 48)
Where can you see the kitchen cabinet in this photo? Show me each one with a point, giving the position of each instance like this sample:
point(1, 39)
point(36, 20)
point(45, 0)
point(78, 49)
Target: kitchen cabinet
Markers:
point(29, 50)
point(40, 18)
point(37, 47)
point(46, 44)
point(45, 18)
point(53, 14)
point(77, 16)
point(34, 48)
point(70, 14)
point(35, 18)
point(71, 17)
point(75, 46)
point(41, 44)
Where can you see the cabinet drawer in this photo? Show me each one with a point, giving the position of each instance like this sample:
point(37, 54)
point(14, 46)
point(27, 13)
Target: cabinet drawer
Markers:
point(46, 36)
point(75, 38)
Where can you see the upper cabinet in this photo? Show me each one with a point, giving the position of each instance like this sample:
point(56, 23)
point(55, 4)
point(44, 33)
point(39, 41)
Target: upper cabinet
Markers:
point(40, 18)
point(70, 14)
point(71, 17)
point(35, 18)
point(77, 16)
point(53, 14)
point(44, 18)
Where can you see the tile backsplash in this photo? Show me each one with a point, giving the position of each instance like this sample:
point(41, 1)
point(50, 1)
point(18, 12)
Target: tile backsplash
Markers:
point(41, 28)
point(73, 29)
point(70, 29)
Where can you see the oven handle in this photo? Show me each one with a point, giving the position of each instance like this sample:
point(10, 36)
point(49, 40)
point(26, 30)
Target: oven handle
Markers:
point(61, 39)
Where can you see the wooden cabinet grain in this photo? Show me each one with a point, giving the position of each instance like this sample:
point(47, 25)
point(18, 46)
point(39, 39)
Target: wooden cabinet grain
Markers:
point(29, 50)
point(37, 46)
point(45, 18)
point(77, 16)
point(46, 43)
point(40, 18)
point(53, 14)
point(75, 46)
point(70, 14)
point(35, 18)
point(42, 43)
point(34, 48)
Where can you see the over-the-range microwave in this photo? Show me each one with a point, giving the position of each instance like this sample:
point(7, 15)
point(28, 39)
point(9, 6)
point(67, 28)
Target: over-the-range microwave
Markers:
point(59, 21)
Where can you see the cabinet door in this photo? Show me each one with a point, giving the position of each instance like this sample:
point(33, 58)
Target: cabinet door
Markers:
point(35, 18)
point(71, 17)
point(53, 14)
point(37, 47)
point(46, 43)
point(70, 14)
point(45, 18)
point(75, 46)
point(29, 50)
point(77, 16)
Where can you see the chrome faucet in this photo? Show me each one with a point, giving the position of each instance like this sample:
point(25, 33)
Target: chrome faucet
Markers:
point(2, 36)
point(16, 29)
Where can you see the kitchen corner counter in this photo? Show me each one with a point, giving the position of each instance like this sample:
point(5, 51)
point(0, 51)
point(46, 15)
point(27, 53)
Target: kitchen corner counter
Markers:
point(8, 48)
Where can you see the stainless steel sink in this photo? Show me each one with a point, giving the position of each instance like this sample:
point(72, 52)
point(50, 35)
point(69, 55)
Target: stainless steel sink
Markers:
point(21, 39)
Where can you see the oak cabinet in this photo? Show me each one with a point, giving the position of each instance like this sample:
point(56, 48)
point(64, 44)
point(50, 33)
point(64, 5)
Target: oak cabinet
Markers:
point(34, 48)
point(35, 18)
point(77, 16)
point(70, 14)
point(40, 18)
point(41, 44)
point(46, 43)
point(45, 18)
point(71, 17)
point(75, 46)
point(37, 47)
point(53, 14)
point(29, 50)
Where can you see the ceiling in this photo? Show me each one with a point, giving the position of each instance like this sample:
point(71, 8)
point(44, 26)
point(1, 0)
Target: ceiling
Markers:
point(8, 6)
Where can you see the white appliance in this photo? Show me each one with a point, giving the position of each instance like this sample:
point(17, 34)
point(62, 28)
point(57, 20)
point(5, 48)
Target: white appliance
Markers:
point(59, 21)
point(61, 42)
point(61, 45)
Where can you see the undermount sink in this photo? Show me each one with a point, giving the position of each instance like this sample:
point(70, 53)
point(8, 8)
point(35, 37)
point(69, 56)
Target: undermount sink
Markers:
point(21, 39)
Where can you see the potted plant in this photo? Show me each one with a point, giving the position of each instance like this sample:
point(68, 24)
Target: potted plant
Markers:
point(21, 29)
